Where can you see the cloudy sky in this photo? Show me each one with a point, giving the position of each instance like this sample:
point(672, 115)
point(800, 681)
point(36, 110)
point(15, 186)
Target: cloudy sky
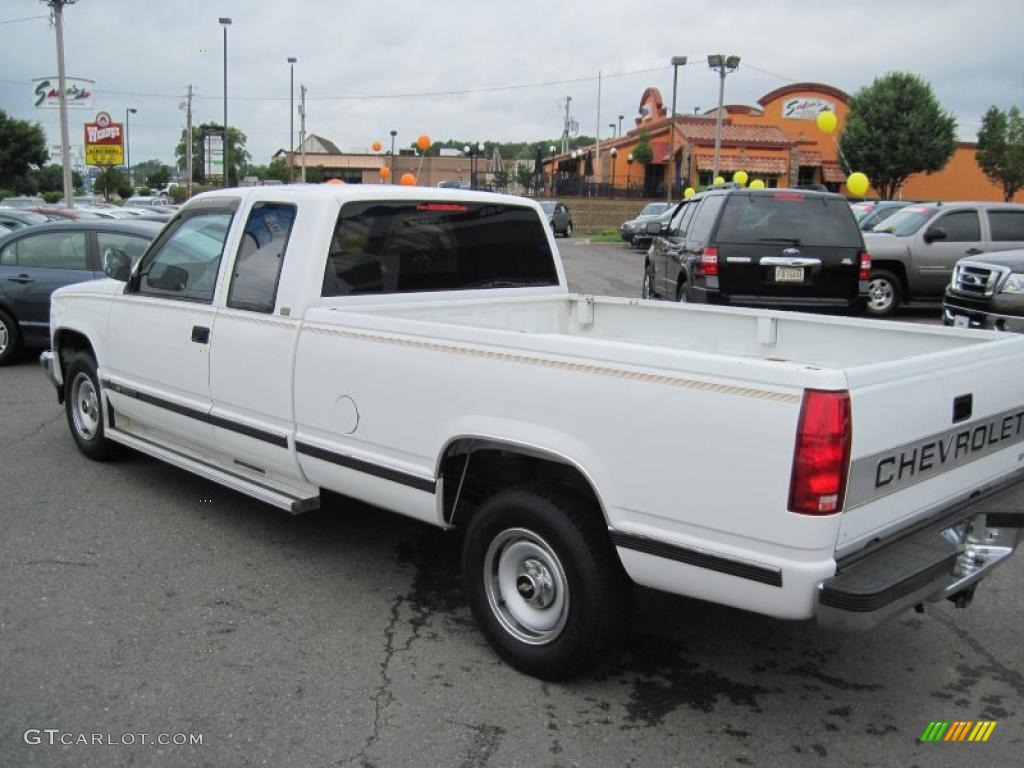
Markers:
point(370, 66)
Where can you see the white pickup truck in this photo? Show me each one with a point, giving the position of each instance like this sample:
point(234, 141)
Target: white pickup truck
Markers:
point(418, 349)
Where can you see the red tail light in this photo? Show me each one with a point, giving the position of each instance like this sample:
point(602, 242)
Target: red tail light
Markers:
point(709, 261)
point(865, 266)
point(822, 456)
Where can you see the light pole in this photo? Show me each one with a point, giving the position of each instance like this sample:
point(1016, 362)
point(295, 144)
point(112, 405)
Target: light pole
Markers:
point(614, 153)
point(673, 176)
point(225, 22)
point(392, 176)
point(551, 149)
point(629, 169)
point(128, 143)
point(291, 122)
point(612, 126)
point(620, 124)
point(57, 6)
point(724, 65)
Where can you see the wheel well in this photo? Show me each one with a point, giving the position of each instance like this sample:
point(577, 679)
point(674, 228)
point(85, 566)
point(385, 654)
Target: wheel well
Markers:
point(66, 344)
point(897, 268)
point(680, 281)
point(474, 469)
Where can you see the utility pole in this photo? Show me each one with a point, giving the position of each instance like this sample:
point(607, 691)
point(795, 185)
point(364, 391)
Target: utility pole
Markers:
point(673, 166)
point(187, 104)
point(57, 6)
point(597, 138)
point(568, 124)
point(302, 128)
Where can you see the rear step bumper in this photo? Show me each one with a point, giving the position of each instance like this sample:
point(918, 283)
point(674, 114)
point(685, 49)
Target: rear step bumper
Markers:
point(942, 559)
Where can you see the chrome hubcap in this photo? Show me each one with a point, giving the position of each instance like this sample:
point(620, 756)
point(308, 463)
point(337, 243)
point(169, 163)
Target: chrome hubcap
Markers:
point(647, 285)
point(3, 337)
point(526, 586)
point(85, 408)
point(880, 294)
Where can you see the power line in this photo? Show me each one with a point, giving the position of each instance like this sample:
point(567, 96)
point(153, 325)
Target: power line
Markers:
point(772, 74)
point(27, 18)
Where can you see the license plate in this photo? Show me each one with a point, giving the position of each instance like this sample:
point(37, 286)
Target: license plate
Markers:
point(789, 274)
point(961, 321)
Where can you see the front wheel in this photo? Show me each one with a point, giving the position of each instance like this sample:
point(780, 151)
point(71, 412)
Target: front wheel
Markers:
point(884, 294)
point(544, 581)
point(647, 290)
point(83, 408)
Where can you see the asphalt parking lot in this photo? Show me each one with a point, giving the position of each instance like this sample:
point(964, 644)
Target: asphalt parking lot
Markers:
point(138, 599)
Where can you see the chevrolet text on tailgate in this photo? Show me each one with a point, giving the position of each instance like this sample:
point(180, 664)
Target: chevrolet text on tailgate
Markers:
point(418, 349)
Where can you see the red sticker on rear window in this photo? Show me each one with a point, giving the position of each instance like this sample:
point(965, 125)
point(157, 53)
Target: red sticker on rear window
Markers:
point(447, 207)
point(913, 209)
point(793, 196)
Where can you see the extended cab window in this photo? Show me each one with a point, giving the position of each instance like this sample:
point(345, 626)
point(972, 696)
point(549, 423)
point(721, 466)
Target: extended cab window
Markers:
point(1007, 226)
point(186, 264)
point(395, 247)
point(260, 255)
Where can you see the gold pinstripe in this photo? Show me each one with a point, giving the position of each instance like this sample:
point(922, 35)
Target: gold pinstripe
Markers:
point(260, 319)
point(597, 370)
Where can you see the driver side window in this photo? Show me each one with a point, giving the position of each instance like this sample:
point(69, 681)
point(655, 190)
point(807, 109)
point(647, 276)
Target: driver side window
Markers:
point(186, 265)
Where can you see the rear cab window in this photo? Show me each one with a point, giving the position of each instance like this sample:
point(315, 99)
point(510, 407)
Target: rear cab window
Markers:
point(384, 247)
point(788, 217)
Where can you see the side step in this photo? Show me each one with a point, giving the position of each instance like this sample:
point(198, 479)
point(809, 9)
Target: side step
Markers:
point(265, 491)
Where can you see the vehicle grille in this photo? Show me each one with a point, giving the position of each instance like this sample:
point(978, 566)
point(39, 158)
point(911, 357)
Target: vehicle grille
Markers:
point(974, 279)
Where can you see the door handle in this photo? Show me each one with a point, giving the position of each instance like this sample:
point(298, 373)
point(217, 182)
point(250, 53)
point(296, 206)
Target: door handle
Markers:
point(200, 334)
point(23, 279)
point(973, 251)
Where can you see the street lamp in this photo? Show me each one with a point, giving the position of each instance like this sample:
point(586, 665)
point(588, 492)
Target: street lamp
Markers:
point(128, 142)
point(552, 150)
point(724, 65)
point(620, 124)
point(629, 168)
point(614, 153)
point(612, 126)
point(225, 22)
point(291, 122)
point(673, 179)
point(392, 176)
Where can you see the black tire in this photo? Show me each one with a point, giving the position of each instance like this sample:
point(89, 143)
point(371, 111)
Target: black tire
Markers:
point(647, 288)
point(549, 546)
point(885, 294)
point(10, 339)
point(83, 407)
point(568, 229)
point(681, 292)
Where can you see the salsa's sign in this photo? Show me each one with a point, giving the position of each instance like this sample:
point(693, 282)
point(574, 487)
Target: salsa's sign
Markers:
point(104, 141)
point(77, 92)
point(806, 109)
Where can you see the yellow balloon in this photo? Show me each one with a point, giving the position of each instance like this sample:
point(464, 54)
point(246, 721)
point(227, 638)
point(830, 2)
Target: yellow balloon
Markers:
point(689, 192)
point(826, 121)
point(757, 184)
point(719, 181)
point(857, 183)
point(740, 177)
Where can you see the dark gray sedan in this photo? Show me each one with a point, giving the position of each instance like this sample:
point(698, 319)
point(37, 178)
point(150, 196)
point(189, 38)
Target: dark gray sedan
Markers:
point(559, 217)
point(36, 261)
point(14, 218)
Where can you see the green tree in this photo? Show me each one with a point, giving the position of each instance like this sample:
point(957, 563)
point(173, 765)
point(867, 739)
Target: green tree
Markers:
point(642, 152)
point(50, 178)
point(280, 170)
point(502, 179)
point(238, 156)
point(525, 175)
point(111, 179)
point(22, 144)
point(1001, 149)
point(894, 129)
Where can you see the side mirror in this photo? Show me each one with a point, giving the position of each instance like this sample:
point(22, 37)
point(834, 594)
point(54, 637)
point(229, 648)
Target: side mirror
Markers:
point(934, 233)
point(654, 228)
point(171, 278)
point(117, 264)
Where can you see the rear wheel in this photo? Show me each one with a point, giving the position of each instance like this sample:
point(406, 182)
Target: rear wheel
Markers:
point(544, 582)
point(884, 294)
point(82, 404)
point(681, 292)
point(647, 290)
point(568, 229)
point(10, 339)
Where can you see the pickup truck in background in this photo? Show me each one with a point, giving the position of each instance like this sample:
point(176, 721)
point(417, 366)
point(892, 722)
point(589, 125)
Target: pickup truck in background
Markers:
point(913, 251)
point(418, 349)
point(987, 292)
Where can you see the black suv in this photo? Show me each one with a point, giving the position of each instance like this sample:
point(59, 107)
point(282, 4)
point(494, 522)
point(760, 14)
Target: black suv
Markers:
point(783, 248)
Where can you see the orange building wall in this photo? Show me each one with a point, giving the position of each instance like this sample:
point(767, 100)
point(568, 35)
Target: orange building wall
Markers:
point(961, 179)
point(805, 132)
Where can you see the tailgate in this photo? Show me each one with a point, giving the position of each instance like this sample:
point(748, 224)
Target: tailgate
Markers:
point(928, 433)
point(781, 271)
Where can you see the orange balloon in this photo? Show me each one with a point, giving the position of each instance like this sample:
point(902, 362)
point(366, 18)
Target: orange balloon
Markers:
point(334, 181)
point(385, 172)
point(377, 146)
point(423, 142)
point(407, 180)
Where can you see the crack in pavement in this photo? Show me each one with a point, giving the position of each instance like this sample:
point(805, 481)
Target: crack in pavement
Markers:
point(1007, 675)
point(51, 562)
point(37, 429)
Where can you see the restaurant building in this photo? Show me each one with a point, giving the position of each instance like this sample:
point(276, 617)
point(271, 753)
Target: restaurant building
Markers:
point(777, 141)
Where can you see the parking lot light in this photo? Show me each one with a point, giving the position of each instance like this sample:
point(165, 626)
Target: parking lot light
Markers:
point(724, 65)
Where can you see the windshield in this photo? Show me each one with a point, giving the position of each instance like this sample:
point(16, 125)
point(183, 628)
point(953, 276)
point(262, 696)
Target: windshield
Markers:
point(788, 217)
point(653, 209)
point(906, 221)
point(547, 207)
point(860, 210)
point(35, 218)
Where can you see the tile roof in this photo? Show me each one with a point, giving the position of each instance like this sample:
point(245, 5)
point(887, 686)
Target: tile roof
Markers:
point(810, 157)
point(704, 133)
point(832, 172)
point(751, 164)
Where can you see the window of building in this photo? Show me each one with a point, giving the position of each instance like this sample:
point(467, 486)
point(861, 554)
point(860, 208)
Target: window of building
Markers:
point(260, 255)
point(1006, 225)
point(395, 247)
point(961, 226)
point(807, 175)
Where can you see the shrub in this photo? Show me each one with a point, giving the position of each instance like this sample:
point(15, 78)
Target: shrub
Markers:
point(178, 194)
point(5, 193)
point(124, 191)
point(52, 197)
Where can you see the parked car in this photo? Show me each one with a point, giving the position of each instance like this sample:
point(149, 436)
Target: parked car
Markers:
point(22, 201)
point(16, 218)
point(137, 201)
point(267, 339)
point(634, 231)
point(771, 248)
point(870, 213)
point(662, 220)
point(55, 213)
point(987, 291)
point(559, 217)
point(35, 262)
point(913, 251)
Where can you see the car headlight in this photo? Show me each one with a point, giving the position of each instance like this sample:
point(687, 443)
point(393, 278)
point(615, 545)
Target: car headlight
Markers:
point(1014, 283)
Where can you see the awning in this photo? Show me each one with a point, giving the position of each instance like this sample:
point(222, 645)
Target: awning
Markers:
point(831, 172)
point(770, 166)
point(810, 157)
